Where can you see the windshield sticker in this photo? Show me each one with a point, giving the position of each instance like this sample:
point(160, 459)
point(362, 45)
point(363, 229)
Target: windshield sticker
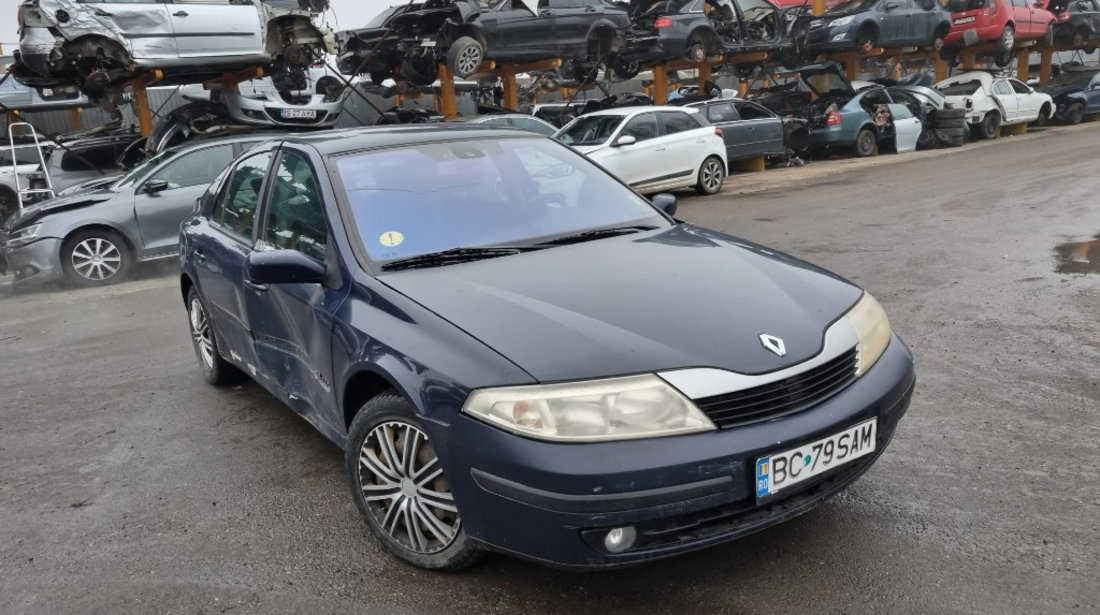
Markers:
point(391, 239)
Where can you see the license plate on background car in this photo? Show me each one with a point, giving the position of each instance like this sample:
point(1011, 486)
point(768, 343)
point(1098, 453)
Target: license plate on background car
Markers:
point(962, 20)
point(299, 114)
point(781, 470)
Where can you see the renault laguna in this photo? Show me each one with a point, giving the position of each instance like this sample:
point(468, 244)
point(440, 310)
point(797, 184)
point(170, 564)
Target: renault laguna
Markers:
point(520, 354)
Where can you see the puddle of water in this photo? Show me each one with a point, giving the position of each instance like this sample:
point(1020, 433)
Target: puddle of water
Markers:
point(1078, 257)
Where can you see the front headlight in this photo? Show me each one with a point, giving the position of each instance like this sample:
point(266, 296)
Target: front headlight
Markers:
point(24, 236)
point(873, 328)
point(623, 408)
point(842, 21)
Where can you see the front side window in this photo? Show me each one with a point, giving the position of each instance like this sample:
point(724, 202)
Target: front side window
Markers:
point(642, 127)
point(235, 210)
point(477, 193)
point(296, 213)
point(197, 168)
point(1002, 88)
point(590, 130)
point(1019, 86)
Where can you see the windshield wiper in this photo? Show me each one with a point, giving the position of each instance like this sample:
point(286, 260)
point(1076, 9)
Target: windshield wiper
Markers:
point(599, 233)
point(454, 255)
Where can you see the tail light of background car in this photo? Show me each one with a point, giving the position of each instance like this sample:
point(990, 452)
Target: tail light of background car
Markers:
point(662, 22)
point(833, 118)
point(718, 131)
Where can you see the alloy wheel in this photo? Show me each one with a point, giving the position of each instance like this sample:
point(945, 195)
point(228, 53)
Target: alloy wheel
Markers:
point(712, 175)
point(96, 259)
point(469, 60)
point(200, 332)
point(404, 488)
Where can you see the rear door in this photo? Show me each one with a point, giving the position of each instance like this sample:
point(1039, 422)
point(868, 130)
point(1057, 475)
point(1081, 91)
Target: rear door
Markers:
point(685, 138)
point(1008, 99)
point(159, 214)
point(738, 141)
point(1028, 104)
point(764, 128)
point(205, 28)
point(144, 26)
point(291, 323)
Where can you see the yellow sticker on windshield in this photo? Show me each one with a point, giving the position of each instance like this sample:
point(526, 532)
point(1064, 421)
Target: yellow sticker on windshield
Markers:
point(391, 239)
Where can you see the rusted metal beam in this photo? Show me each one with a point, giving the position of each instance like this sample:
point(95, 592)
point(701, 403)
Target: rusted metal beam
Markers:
point(448, 99)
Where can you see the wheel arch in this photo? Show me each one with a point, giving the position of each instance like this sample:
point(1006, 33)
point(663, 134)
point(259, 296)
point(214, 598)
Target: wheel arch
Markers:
point(474, 32)
point(100, 226)
point(604, 34)
point(365, 384)
point(186, 284)
point(707, 35)
point(86, 47)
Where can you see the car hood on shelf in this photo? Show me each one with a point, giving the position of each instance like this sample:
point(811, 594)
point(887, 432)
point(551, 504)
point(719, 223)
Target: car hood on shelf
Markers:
point(35, 212)
point(672, 298)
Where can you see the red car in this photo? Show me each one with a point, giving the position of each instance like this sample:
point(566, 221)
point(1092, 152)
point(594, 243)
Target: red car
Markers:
point(1005, 22)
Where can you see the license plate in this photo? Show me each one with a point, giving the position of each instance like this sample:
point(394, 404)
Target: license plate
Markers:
point(779, 471)
point(299, 114)
point(427, 43)
point(962, 20)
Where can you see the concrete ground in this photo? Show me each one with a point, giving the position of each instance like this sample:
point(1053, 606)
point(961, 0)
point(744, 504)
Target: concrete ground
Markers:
point(127, 485)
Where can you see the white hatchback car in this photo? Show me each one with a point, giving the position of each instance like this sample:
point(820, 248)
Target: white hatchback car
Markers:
point(992, 102)
point(652, 148)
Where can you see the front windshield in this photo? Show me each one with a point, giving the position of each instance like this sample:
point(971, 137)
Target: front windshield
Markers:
point(478, 193)
point(965, 88)
point(139, 172)
point(1077, 80)
point(589, 130)
point(851, 7)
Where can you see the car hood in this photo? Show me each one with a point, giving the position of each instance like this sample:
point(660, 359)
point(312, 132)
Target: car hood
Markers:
point(588, 149)
point(672, 298)
point(1059, 90)
point(33, 213)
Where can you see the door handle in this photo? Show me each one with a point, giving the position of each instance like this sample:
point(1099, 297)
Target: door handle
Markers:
point(102, 13)
point(256, 288)
point(658, 149)
point(180, 14)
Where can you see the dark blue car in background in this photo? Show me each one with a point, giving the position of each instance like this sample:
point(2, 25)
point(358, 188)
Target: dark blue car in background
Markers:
point(520, 354)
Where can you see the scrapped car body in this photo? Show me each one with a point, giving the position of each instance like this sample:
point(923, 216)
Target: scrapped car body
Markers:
point(1076, 93)
point(992, 102)
point(488, 398)
point(1006, 22)
point(1077, 23)
point(867, 121)
point(701, 29)
point(652, 148)
point(15, 95)
point(258, 102)
point(409, 42)
point(749, 130)
point(865, 24)
point(96, 45)
point(95, 237)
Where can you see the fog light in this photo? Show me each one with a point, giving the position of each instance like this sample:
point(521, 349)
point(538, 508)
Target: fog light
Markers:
point(620, 539)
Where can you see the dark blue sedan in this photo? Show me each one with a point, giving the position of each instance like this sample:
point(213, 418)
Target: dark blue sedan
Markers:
point(520, 354)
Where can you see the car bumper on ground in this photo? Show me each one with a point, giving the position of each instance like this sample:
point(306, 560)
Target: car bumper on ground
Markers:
point(556, 503)
point(34, 263)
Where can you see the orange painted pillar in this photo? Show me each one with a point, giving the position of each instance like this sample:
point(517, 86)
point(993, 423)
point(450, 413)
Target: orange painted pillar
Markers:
point(1023, 65)
point(660, 85)
point(448, 99)
point(78, 120)
point(704, 73)
point(1045, 65)
point(508, 80)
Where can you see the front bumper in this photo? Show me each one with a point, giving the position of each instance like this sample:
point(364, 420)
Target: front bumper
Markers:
point(34, 263)
point(554, 503)
point(830, 37)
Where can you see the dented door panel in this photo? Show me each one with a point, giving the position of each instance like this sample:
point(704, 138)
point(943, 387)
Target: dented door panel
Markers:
point(144, 27)
point(217, 29)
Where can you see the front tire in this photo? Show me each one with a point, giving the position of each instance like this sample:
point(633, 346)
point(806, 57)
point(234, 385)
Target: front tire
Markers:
point(990, 128)
point(96, 258)
point(399, 487)
point(1075, 114)
point(215, 369)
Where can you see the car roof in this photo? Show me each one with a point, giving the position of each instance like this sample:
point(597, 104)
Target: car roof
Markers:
point(642, 109)
point(979, 75)
point(353, 139)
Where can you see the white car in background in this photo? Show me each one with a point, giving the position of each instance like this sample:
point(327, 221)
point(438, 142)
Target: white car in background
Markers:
point(652, 148)
point(260, 103)
point(992, 102)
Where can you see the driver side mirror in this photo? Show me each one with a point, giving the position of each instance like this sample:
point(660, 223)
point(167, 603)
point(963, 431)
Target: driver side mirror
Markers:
point(665, 202)
point(284, 267)
point(155, 185)
point(625, 140)
point(1096, 86)
point(891, 6)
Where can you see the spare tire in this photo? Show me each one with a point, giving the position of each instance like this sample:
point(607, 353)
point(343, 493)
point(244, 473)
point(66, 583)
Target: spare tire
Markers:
point(950, 113)
point(465, 56)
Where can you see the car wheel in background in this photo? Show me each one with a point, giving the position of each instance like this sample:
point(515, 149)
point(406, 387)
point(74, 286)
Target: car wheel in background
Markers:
point(1044, 116)
point(623, 69)
point(866, 143)
point(96, 257)
point(990, 128)
point(711, 175)
point(927, 139)
point(215, 369)
point(938, 36)
point(1075, 114)
point(399, 486)
point(465, 56)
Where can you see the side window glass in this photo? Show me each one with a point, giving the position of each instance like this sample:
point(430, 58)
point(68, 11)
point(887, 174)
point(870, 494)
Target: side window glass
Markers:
point(677, 122)
point(196, 168)
point(533, 126)
point(296, 214)
point(1020, 87)
point(750, 111)
point(235, 210)
point(1001, 88)
point(642, 127)
point(722, 112)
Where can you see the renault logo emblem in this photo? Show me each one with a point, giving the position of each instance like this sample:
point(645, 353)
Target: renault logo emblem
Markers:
point(773, 344)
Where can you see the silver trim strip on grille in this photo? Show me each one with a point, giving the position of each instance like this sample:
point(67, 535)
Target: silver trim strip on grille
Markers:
point(700, 382)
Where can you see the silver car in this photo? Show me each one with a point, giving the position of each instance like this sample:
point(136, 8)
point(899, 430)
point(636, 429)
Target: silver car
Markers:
point(97, 44)
point(95, 238)
point(261, 103)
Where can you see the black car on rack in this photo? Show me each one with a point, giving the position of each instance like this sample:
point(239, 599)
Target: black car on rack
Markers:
point(864, 24)
point(409, 42)
point(1077, 23)
point(701, 29)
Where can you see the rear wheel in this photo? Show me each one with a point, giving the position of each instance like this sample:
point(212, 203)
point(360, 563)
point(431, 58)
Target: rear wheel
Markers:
point(465, 56)
point(990, 128)
point(400, 488)
point(96, 257)
point(866, 143)
point(697, 50)
point(926, 140)
point(624, 69)
point(711, 175)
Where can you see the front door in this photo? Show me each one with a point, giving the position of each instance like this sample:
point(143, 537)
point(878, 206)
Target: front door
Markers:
point(144, 26)
point(222, 242)
point(764, 130)
point(1004, 95)
point(159, 212)
point(685, 140)
point(206, 28)
point(1028, 104)
point(519, 32)
point(646, 159)
point(292, 323)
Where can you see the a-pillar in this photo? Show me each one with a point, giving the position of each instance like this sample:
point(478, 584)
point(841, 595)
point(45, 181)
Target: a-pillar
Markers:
point(660, 85)
point(448, 100)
